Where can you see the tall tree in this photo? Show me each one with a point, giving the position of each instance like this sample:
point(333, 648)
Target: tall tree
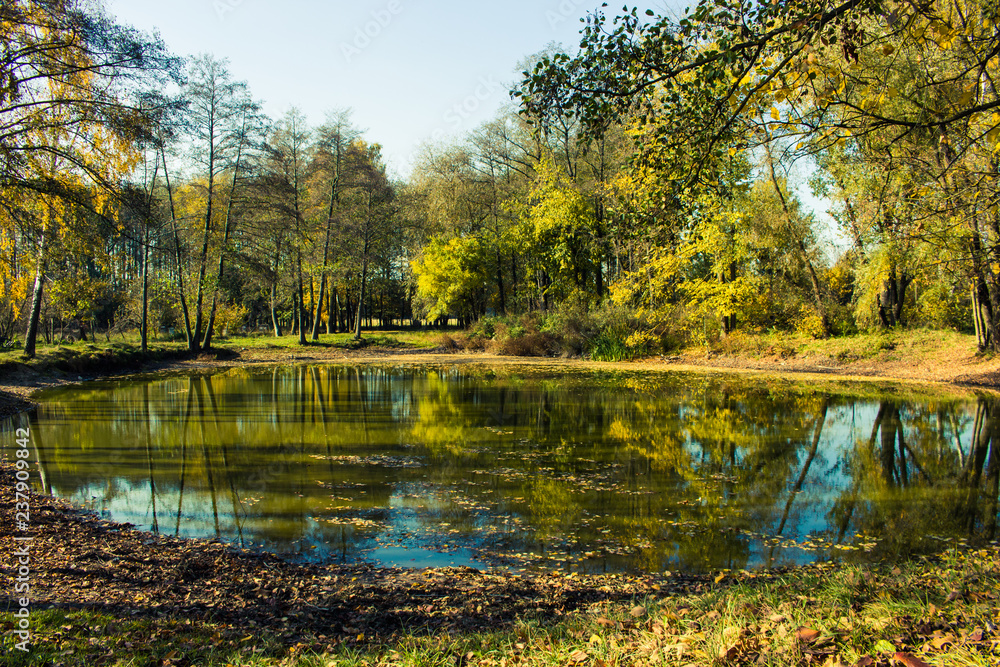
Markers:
point(286, 161)
point(371, 215)
point(329, 179)
point(218, 108)
point(69, 113)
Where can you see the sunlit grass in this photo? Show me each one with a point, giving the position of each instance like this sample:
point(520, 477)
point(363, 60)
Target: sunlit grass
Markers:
point(819, 613)
point(879, 345)
point(126, 350)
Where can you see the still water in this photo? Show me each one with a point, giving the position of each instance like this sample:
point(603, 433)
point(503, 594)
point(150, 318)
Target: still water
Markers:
point(528, 468)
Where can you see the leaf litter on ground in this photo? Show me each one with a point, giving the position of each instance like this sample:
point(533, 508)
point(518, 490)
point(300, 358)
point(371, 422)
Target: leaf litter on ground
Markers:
point(103, 591)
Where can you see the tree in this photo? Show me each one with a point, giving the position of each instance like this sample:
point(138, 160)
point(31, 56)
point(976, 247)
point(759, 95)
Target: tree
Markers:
point(328, 181)
point(561, 225)
point(371, 213)
point(69, 115)
point(287, 157)
point(219, 112)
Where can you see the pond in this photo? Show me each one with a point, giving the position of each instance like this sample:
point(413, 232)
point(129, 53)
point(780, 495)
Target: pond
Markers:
point(521, 467)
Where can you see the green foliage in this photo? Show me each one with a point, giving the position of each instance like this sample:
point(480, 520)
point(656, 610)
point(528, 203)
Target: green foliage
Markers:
point(560, 224)
point(943, 305)
point(611, 346)
point(230, 318)
point(809, 323)
point(449, 277)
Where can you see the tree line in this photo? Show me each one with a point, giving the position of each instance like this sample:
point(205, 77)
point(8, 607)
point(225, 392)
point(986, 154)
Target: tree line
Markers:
point(639, 192)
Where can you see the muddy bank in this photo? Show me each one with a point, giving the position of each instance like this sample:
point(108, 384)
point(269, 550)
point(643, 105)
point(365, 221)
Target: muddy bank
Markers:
point(80, 561)
point(19, 380)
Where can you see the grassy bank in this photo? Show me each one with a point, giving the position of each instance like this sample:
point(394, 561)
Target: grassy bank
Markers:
point(942, 611)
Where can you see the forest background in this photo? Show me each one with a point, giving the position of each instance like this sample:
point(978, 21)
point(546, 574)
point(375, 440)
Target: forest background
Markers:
point(635, 202)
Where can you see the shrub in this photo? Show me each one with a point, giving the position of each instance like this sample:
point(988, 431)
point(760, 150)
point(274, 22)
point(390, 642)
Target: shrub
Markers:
point(610, 346)
point(810, 323)
point(533, 344)
point(448, 343)
point(230, 318)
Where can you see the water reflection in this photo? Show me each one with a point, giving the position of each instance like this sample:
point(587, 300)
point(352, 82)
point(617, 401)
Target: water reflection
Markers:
point(599, 472)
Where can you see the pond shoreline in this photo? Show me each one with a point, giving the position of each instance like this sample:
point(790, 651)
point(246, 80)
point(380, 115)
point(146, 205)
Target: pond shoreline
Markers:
point(81, 560)
point(953, 371)
point(101, 590)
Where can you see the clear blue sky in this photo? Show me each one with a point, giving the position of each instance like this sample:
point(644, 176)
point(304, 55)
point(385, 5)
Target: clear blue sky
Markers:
point(412, 70)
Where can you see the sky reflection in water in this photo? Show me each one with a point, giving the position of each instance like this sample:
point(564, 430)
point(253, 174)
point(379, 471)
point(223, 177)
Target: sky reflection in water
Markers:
point(513, 467)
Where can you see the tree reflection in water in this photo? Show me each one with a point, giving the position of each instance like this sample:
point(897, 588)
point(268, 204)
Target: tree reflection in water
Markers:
point(576, 470)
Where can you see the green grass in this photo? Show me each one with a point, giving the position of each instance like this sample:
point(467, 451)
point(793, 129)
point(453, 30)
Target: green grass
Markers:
point(931, 608)
point(609, 346)
point(124, 353)
point(884, 345)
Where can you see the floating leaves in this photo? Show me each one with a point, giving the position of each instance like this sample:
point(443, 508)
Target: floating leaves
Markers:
point(376, 460)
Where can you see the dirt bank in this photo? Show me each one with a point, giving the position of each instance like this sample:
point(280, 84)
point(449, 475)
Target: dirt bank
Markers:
point(948, 364)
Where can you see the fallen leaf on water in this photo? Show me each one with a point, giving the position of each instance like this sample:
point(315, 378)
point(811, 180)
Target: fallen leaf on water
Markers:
point(909, 660)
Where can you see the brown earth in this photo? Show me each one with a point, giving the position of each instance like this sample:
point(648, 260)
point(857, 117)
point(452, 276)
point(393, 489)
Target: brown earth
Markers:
point(79, 561)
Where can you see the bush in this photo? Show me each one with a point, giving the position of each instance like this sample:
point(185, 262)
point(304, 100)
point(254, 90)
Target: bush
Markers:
point(572, 324)
point(810, 323)
point(449, 344)
point(230, 318)
point(610, 346)
point(533, 344)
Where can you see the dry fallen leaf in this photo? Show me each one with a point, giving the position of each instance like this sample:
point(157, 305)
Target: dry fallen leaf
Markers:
point(941, 642)
point(727, 654)
point(807, 635)
point(576, 657)
point(638, 611)
point(909, 660)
